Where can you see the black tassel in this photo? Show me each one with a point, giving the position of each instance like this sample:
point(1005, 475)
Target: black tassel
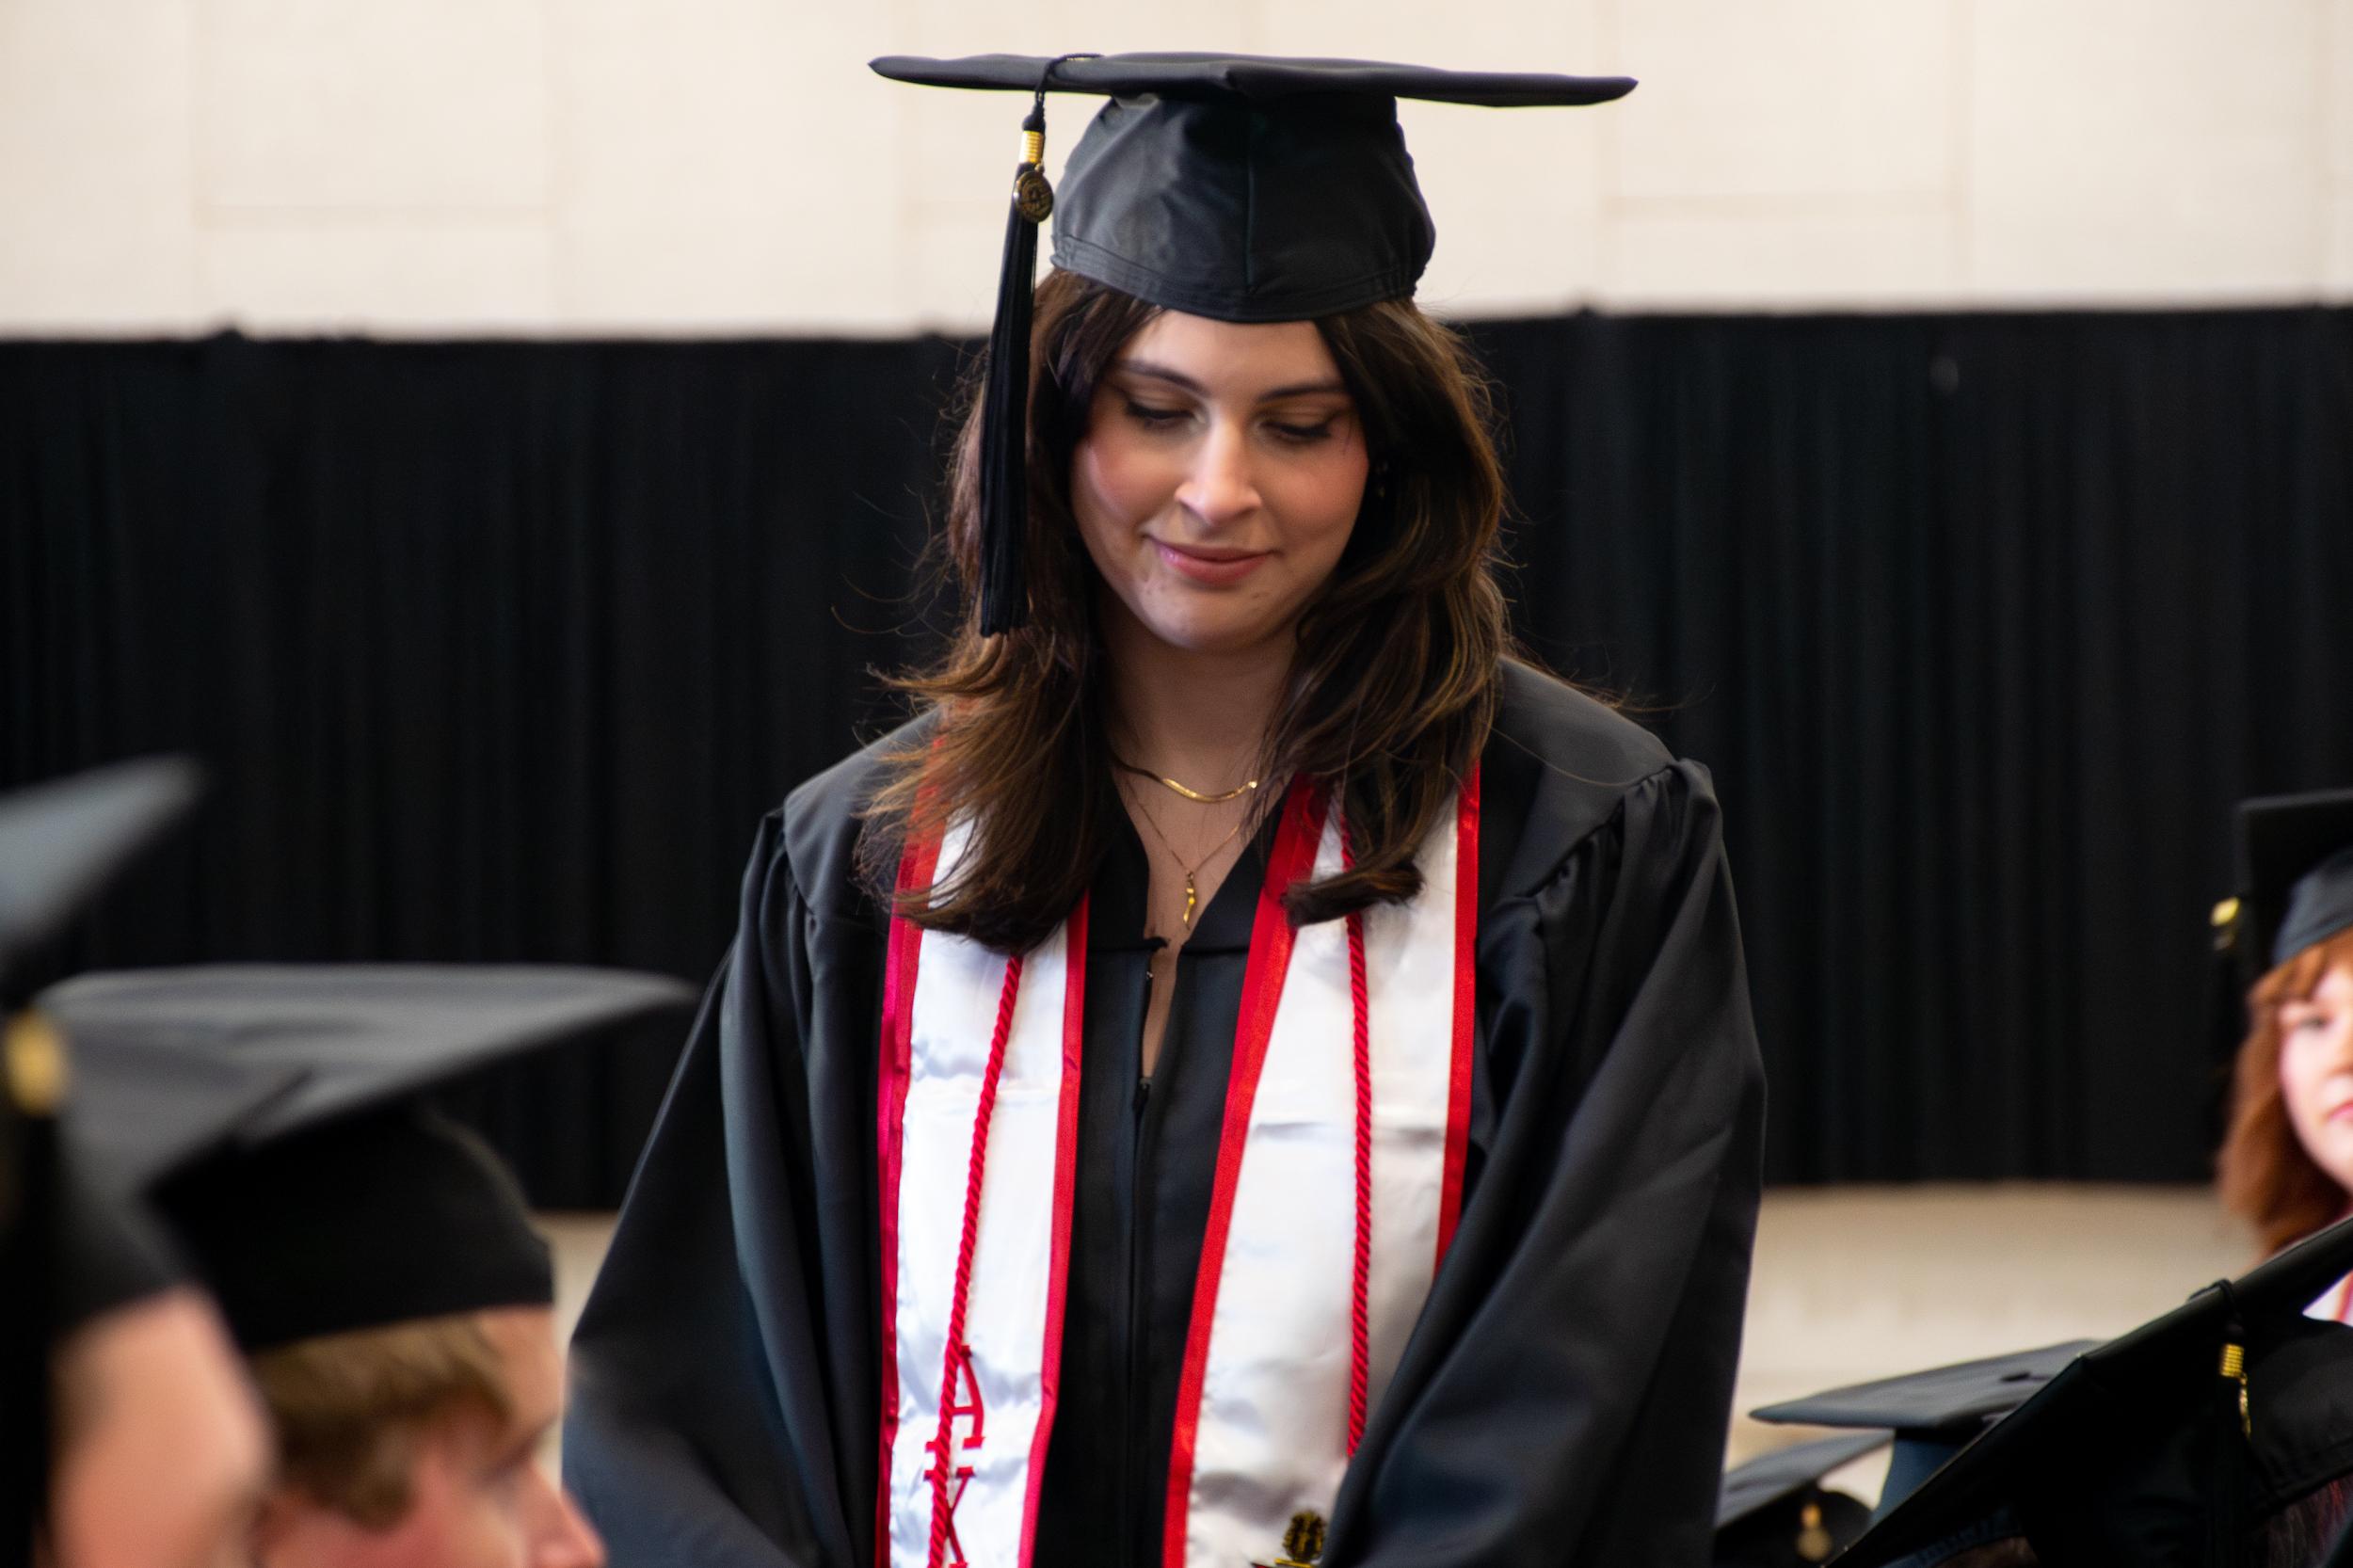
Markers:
point(1006, 403)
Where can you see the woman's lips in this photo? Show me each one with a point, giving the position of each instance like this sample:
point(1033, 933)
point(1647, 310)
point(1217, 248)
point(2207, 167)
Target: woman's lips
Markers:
point(1216, 568)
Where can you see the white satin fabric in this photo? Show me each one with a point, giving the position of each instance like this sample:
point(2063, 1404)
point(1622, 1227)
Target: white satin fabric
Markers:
point(956, 989)
point(1271, 1433)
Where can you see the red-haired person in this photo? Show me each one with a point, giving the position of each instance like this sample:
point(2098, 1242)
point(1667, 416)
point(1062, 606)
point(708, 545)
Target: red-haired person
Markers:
point(2287, 1164)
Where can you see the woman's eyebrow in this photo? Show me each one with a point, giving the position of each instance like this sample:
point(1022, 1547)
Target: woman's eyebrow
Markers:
point(1178, 379)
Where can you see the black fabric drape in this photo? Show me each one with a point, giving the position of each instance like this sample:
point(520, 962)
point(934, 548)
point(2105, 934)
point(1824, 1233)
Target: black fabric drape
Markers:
point(494, 650)
point(1983, 622)
point(498, 650)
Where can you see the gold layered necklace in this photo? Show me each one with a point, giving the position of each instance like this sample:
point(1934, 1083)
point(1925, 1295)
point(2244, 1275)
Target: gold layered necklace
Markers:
point(1193, 892)
point(1196, 796)
point(1199, 797)
point(1193, 872)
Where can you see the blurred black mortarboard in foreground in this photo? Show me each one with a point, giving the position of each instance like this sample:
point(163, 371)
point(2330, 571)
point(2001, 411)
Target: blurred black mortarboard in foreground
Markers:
point(1234, 186)
point(1774, 1512)
point(2166, 1446)
point(63, 841)
point(271, 1115)
point(1934, 1414)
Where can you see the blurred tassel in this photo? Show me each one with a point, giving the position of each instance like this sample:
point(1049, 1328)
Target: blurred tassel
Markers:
point(1006, 403)
point(2234, 1431)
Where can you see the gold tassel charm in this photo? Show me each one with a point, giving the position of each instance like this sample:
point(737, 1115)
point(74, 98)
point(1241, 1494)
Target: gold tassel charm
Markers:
point(2234, 1370)
point(1032, 198)
point(1303, 1544)
point(35, 1065)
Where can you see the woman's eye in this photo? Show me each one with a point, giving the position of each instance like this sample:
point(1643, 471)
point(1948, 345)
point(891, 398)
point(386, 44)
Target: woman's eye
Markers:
point(1153, 418)
point(1303, 434)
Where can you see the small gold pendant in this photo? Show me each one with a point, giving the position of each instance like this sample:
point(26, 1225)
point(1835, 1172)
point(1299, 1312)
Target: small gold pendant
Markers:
point(1191, 897)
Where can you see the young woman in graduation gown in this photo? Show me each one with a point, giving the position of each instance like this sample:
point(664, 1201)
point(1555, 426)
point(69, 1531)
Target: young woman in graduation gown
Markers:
point(1251, 1074)
point(2286, 1165)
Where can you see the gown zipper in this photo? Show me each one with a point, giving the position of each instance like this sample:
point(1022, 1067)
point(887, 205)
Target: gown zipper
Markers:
point(1139, 1233)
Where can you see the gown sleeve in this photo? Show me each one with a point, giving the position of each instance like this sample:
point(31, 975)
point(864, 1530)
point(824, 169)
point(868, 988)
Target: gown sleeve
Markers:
point(708, 1406)
point(1566, 1396)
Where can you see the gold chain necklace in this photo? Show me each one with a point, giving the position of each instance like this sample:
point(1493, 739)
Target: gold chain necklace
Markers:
point(1245, 787)
point(1193, 893)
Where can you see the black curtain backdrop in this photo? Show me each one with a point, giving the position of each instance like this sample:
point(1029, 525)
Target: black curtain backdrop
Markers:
point(498, 650)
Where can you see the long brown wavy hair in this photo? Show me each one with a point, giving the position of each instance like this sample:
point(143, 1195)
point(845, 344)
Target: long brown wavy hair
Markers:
point(1393, 686)
point(2267, 1177)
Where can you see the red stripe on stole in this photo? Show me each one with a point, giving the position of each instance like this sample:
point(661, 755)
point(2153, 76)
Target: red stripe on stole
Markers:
point(916, 868)
point(1065, 1186)
point(1458, 1099)
point(1291, 858)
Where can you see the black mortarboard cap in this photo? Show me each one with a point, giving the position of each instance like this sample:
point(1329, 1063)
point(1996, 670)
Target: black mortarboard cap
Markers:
point(1934, 1414)
point(2294, 875)
point(271, 1115)
point(1235, 187)
point(1775, 1512)
point(2163, 1447)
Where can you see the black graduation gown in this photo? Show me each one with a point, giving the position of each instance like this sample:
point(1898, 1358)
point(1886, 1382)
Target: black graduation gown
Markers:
point(1565, 1396)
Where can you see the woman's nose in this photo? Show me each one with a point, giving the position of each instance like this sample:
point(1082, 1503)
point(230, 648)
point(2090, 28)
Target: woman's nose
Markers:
point(1220, 486)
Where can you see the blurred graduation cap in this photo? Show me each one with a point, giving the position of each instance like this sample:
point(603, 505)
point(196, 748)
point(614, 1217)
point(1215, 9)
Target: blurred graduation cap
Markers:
point(1236, 186)
point(2164, 1447)
point(273, 1117)
point(2295, 881)
point(1774, 1512)
point(1934, 1414)
point(61, 845)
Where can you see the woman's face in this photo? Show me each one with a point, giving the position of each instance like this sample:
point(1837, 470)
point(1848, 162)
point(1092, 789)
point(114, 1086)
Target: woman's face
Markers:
point(2317, 1072)
point(1219, 479)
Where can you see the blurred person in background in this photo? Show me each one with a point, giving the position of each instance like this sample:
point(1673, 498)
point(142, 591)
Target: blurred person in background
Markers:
point(373, 1262)
point(2286, 1165)
point(129, 1436)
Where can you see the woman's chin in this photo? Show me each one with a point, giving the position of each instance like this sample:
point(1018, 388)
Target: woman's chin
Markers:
point(1209, 623)
point(2332, 1149)
point(1208, 634)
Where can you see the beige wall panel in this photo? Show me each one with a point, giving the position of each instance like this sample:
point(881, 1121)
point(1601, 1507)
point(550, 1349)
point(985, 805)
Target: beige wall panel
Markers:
point(2337, 149)
point(1880, 255)
point(722, 166)
point(423, 106)
point(97, 225)
point(2158, 149)
point(391, 276)
point(725, 164)
point(1786, 98)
